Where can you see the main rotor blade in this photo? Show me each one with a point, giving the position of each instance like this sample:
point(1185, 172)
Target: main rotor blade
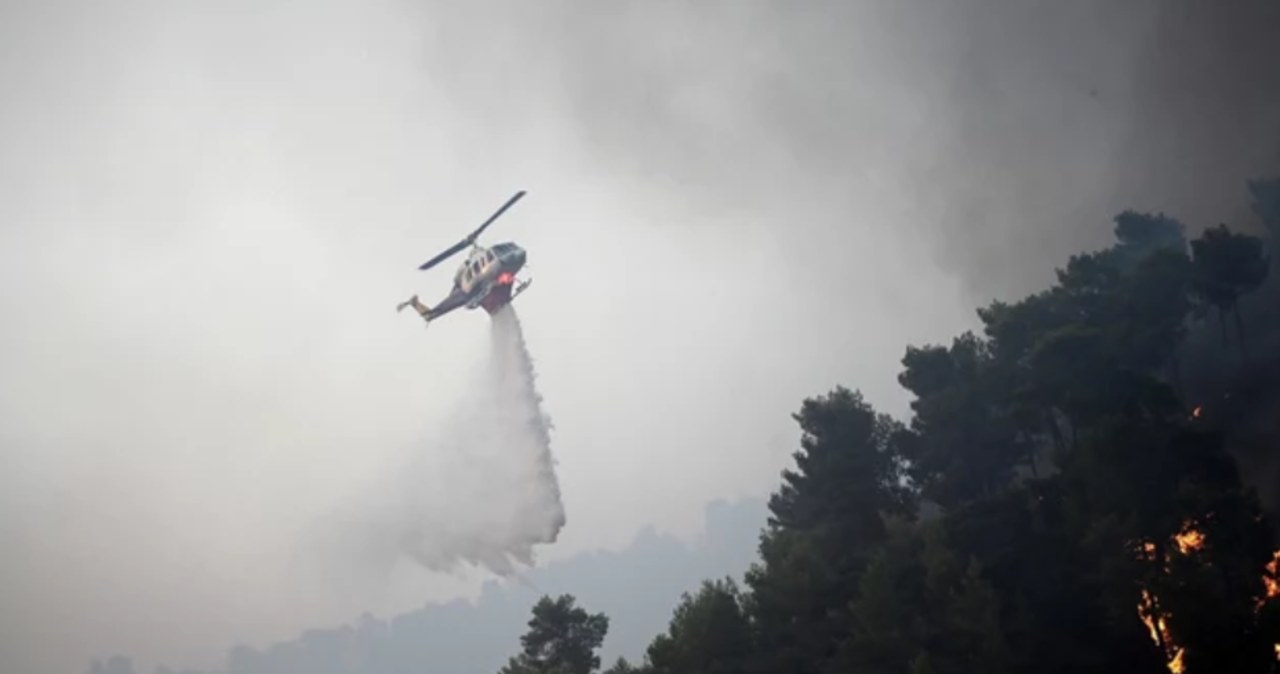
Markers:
point(471, 238)
point(453, 250)
point(495, 215)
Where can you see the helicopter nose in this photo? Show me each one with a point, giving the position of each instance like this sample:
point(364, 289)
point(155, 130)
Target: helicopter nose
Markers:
point(518, 257)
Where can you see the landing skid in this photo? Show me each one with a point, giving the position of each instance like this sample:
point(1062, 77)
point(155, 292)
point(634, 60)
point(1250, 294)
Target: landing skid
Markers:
point(520, 288)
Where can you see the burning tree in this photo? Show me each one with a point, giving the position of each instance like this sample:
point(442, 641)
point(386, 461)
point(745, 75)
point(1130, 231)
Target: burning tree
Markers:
point(1189, 544)
point(1058, 480)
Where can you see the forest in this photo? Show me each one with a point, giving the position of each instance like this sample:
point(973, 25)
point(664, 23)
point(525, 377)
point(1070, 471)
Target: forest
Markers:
point(1090, 484)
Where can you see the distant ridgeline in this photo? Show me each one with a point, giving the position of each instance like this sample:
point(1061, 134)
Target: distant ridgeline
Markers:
point(637, 586)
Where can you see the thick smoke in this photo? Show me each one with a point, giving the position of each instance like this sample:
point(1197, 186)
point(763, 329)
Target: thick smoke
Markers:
point(481, 489)
point(999, 137)
point(1002, 134)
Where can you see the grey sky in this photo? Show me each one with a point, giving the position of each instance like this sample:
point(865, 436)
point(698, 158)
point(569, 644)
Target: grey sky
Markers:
point(209, 211)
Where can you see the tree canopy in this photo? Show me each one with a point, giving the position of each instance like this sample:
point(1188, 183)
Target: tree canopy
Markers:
point(1060, 500)
point(562, 639)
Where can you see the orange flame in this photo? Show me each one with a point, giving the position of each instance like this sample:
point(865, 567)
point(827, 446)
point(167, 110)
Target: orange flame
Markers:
point(1145, 608)
point(1272, 578)
point(1149, 551)
point(1271, 585)
point(1188, 540)
point(1149, 612)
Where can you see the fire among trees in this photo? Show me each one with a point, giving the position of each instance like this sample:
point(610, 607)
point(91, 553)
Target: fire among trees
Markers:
point(1079, 457)
point(1188, 541)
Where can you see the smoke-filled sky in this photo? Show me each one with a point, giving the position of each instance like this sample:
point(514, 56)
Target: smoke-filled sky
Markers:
point(208, 212)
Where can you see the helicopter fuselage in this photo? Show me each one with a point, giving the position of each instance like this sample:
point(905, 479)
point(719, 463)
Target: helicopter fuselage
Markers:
point(486, 278)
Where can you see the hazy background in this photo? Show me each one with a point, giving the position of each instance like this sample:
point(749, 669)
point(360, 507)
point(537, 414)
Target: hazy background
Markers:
point(208, 212)
point(636, 586)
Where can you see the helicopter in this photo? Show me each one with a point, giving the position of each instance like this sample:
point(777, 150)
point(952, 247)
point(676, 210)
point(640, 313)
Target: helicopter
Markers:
point(486, 279)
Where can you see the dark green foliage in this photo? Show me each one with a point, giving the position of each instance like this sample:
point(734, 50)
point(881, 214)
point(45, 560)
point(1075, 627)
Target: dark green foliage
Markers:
point(1228, 265)
point(827, 519)
point(847, 471)
point(709, 634)
point(562, 639)
point(1074, 487)
point(919, 606)
point(622, 666)
point(1140, 235)
point(965, 442)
